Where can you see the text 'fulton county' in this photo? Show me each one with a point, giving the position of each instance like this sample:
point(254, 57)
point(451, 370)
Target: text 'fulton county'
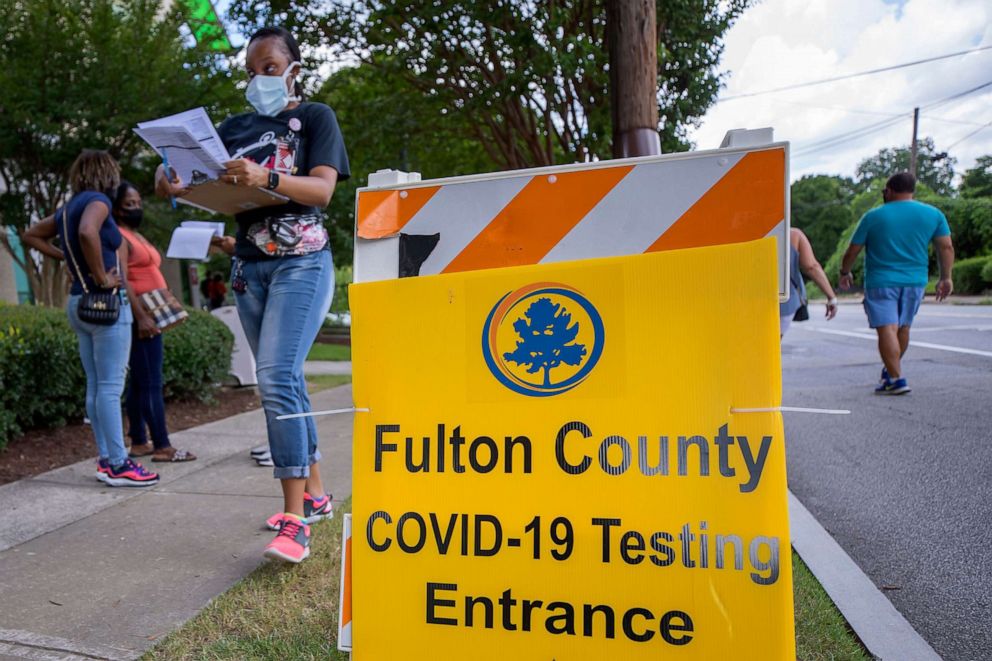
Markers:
point(578, 450)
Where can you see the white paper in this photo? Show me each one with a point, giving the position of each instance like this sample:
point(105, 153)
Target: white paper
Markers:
point(216, 228)
point(187, 157)
point(190, 243)
point(198, 123)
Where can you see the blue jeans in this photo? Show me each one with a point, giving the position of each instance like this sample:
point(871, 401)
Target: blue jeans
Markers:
point(145, 403)
point(281, 310)
point(104, 351)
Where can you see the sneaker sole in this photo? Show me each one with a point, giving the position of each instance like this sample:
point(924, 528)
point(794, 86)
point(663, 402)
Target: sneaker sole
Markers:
point(899, 391)
point(274, 554)
point(101, 477)
point(308, 520)
point(318, 517)
point(123, 482)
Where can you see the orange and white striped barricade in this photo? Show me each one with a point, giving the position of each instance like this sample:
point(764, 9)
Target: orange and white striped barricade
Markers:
point(605, 209)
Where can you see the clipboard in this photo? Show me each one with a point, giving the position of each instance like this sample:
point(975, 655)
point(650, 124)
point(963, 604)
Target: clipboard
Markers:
point(220, 197)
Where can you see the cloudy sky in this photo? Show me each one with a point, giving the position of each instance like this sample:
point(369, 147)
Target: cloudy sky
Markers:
point(782, 42)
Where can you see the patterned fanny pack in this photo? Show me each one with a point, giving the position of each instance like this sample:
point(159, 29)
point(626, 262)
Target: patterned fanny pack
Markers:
point(289, 234)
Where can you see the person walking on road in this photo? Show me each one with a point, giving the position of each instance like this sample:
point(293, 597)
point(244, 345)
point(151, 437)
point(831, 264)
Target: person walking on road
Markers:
point(803, 261)
point(895, 237)
point(283, 275)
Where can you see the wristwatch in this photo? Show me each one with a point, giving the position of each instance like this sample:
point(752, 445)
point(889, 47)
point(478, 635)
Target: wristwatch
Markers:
point(832, 301)
point(843, 273)
point(273, 180)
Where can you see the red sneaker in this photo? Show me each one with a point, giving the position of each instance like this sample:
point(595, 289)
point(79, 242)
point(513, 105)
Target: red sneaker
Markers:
point(292, 544)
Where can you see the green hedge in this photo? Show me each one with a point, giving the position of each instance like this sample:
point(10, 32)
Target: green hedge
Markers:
point(42, 383)
point(987, 271)
point(197, 357)
point(969, 275)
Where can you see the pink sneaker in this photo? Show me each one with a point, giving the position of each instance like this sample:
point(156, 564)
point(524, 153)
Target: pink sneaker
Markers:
point(314, 509)
point(292, 544)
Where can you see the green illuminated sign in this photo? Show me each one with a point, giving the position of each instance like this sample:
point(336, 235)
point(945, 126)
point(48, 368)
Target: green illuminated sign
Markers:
point(205, 25)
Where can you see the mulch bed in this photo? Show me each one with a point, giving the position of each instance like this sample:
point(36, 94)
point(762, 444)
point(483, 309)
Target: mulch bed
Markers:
point(41, 450)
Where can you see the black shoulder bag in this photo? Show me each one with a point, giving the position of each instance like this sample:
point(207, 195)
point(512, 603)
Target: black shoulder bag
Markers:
point(95, 307)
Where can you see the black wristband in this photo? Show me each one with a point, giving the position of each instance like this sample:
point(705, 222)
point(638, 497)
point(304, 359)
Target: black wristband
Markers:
point(273, 180)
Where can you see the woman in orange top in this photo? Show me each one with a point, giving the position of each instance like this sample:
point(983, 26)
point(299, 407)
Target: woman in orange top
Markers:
point(145, 403)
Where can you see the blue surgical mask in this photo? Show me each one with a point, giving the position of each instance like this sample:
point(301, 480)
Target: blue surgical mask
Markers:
point(268, 94)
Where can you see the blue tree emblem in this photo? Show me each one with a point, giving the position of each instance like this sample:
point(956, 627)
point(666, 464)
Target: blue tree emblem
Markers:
point(546, 339)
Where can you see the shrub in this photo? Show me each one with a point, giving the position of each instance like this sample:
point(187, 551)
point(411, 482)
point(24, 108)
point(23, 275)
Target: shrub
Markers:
point(42, 383)
point(968, 278)
point(342, 278)
point(987, 270)
point(197, 357)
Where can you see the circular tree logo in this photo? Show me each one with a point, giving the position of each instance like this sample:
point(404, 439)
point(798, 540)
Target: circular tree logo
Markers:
point(543, 339)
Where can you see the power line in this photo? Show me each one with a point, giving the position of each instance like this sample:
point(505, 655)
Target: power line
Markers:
point(854, 75)
point(953, 97)
point(975, 132)
point(841, 138)
point(877, 113)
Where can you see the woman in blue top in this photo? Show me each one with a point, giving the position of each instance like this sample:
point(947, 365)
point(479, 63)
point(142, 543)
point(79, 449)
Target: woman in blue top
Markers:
point(282, 274)
point(90, 240)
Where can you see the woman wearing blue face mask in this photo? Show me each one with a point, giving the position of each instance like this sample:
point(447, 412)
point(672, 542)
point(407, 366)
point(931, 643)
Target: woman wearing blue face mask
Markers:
point(282, 274)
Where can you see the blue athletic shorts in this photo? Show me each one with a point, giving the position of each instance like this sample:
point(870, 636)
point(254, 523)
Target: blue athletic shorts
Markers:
point(892, 305)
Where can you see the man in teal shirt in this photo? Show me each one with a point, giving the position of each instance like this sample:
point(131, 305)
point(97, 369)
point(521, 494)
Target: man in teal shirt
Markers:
point(895, 237)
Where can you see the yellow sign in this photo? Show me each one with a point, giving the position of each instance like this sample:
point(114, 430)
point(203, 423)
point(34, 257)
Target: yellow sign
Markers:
point(549, 468)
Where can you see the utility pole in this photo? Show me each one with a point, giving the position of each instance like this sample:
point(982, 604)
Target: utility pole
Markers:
point(633, 47)
point(912, 148)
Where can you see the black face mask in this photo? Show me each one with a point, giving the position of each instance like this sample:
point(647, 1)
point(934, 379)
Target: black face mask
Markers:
point(131, 217)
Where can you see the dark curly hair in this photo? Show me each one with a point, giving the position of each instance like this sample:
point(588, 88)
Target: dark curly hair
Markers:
point(94, 169)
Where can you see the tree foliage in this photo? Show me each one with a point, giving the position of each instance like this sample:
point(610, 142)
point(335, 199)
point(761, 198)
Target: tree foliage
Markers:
point(821, 208)
point(977, 182)
point(78, 74)
point(527, 81)
point(384, 126)
point(935, 169)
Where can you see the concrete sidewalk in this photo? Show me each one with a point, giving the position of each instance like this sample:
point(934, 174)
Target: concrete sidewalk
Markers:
point(91, 572)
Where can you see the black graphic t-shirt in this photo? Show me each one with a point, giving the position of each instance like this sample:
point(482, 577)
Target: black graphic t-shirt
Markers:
point(293, 142)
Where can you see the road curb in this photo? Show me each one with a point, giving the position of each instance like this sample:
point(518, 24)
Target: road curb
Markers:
point(881, 628)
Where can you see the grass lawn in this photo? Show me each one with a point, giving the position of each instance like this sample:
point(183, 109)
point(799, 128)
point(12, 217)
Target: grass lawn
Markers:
point(276, 612)
point(329, 352)
point(318, 382)
point(292, 613)
point(821, 632)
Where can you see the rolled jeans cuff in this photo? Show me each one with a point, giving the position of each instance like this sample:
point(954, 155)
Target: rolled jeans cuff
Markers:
point(315, 457)
point(291, 472)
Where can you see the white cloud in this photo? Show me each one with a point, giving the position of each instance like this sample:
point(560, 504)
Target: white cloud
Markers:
point(783, 42)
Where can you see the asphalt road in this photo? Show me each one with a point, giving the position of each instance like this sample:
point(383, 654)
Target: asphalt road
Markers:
point(904, 484)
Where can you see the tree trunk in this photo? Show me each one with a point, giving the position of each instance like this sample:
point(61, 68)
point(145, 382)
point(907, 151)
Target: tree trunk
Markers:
point(633, 48)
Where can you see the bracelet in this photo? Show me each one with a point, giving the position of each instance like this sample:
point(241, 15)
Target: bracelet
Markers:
point(832, 301)
point(845, 273)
